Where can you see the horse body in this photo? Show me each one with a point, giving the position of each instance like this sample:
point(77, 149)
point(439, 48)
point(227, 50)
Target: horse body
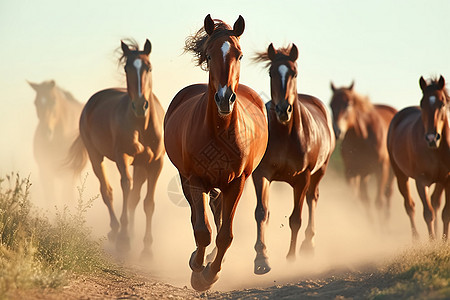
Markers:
point(58, 114)
point(125, 126)
point(301, 141)
point(215, 135)
point(363, 128)
point(419, 148)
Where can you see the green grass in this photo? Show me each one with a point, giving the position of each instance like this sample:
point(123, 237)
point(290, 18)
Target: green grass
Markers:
point(422, 272)
point(38, 253)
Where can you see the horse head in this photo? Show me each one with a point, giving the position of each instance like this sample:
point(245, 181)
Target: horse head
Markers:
point(223, 57)
point(46, 105)
point(435, 110)
point(283, 80)
point(138, 72)
point(342, 107)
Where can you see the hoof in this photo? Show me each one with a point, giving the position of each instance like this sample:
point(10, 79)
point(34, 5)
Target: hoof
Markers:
point(123, 244)
point(290, 257)
point(112, 236)
point(210, 257)
point(202, 281)
point(146, 255)
point(194, 266)
point(307, 249)
point(261, 266)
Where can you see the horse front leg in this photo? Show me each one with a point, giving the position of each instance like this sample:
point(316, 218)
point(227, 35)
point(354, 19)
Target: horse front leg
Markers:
point(204, 280)
point(139, 177)
point(295, 220)
point(149, 204)
point(436, 203)
point(261, 263)
point(215, 202)
point(123, 162)
point(197, 198)
point(428, 211)
point(446, 211)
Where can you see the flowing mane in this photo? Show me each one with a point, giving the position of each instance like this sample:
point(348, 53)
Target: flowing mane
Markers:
point(198, 43)
point(434, 86)
point(362, 103)
point(132, 44)
point(263, 56)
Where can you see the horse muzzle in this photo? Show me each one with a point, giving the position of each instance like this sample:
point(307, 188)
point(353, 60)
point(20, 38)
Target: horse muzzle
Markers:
point(283, 111)
point(140, 107)
point(225, 101)
point(433, 140)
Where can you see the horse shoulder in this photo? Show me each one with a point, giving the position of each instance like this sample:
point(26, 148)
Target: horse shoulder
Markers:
point(183, 95)
point(250, 94)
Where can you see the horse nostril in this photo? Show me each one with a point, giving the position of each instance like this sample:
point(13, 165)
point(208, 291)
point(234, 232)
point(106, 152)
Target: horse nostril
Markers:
point(233, 98)
point(145, 104)
point(438, 137)
point(216, 98)
point(289, 109)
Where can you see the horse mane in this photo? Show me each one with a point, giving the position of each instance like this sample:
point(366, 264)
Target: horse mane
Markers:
point(199, 42)
point(263, 56)
point(132, 44)
point(362, 103)
point(434, 85)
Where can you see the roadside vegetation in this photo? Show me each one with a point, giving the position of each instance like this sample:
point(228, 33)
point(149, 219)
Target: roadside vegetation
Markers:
point(36, 252)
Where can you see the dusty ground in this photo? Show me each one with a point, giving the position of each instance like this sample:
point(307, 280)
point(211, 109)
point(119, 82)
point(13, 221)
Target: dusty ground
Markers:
point(135, 284)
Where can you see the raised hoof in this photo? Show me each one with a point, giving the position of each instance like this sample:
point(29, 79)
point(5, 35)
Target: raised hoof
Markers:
point(261, 266)
point(202, 281)
point(194, 266)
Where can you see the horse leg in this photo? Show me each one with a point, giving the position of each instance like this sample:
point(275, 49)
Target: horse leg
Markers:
point(106, 192)
point(295, 220)
point(364, 195)
point(204, 280)
point(446, 211)
point(312, 196)
point(381, 206)
point(149, 204)
point(261, 264)
point(139, 177)
point(388, 192)
point(215, 202)
point(197, 199)
point(126, 182)
point(428, 212)
point(436, 203)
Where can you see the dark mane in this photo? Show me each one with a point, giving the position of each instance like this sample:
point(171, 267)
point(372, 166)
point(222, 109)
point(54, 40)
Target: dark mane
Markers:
point(132, 44)
point(282, 53)
point(199, 42)
point(434, 86)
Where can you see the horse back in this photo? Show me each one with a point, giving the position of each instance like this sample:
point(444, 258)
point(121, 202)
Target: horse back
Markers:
point(386, 113)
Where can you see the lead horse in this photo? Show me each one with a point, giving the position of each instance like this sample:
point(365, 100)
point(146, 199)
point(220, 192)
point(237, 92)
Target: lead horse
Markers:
point(419, 148)
point(58, 113)
point(215, 134)
point(301, 140)
point(363, 127)
point(125, 125)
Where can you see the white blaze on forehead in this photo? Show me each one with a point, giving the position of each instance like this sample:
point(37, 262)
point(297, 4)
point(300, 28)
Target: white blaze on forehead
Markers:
point(283, 71)
point(138, 65)
point(225, 49)
point(432, 99)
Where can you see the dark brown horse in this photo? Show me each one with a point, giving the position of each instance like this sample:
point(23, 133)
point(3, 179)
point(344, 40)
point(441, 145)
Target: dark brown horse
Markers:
point(301, 141)
point(363, 128)
point(215, 135)
point(125, 125)
point(58, 112)
point(419, 148)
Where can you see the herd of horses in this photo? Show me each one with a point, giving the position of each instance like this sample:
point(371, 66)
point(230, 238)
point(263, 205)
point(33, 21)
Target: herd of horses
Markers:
point(219, 134)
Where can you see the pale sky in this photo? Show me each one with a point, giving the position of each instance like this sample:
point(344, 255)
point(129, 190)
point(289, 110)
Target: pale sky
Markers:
point(385, 46)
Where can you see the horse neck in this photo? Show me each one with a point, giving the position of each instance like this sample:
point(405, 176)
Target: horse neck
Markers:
point(363, 117)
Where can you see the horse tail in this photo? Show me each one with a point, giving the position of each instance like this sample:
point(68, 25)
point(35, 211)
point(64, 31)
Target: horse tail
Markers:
point(77, 157)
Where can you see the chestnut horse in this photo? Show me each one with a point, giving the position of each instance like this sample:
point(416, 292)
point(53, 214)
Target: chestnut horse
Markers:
point(419, 147)
point(125, 125)
point(215, 134)
point(363, 127)
point(301, 140)
point(58, 112)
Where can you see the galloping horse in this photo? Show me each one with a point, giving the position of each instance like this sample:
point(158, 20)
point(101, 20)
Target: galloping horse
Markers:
point(125, 125)
point(58, 112)
point(301, 141)
point(419, 147)
point(215, 134)
point(363, 127)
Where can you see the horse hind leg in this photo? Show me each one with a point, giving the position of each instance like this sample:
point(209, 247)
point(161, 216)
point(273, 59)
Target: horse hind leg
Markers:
point(149, 205)
point(312, 196)
point(446, 212)
point(295, 220)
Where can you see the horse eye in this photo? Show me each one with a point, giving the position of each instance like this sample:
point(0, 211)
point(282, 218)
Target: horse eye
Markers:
point(240, 57)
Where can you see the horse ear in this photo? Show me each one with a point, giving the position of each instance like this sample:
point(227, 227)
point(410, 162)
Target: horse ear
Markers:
point(422, 83)
point(333, 88)
point(34, 86)
point(293, 54)
point(441, 83)
point(209, 24)
point(52, 83)
point(351, 85)
point(147, 47)
point(125, 48)
point(271, 52)
point(239, 26)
